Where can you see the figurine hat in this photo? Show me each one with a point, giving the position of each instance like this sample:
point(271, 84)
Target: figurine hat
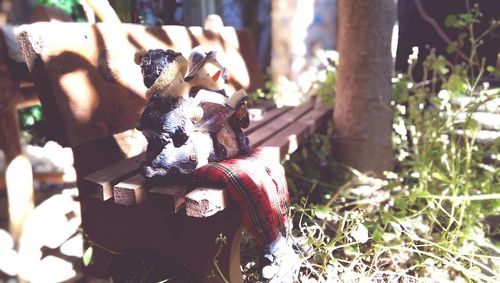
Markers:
point(160, 69)
point(199, 57)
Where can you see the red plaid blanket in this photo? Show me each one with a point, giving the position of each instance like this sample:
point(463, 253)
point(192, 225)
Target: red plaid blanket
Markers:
point(259, 187)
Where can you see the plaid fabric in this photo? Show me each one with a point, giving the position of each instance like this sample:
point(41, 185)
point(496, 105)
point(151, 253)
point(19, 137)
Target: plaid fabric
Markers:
point(259, 187)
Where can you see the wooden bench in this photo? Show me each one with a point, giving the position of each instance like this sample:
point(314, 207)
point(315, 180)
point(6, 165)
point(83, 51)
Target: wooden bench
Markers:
point(91, 92)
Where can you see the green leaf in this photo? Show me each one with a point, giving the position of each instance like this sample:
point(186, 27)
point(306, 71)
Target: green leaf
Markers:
point(36, 112)
point(321, 212)
point(440, 176)
point(27, 120)
point(455, 83)
point(468, 18)
point(297, 168)
point(452, 47)
point(440, 65)
point(401, 203)
point(88, 256)
point(378, 233)
point(451, 21)
point(474, 127)
point(490, 69)
point(461, 37)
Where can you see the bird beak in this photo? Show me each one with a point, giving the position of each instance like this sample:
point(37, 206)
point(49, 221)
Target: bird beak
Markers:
point(216, 76)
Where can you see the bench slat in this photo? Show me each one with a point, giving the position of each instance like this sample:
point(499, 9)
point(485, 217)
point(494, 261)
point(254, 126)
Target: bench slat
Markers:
point(206, 201)
point(134, 191)
point(100, 183)
point(266, 117)
point(261, 135)
point(289, 139)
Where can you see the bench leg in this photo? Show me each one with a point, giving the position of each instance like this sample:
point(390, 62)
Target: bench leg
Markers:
point(188, 240)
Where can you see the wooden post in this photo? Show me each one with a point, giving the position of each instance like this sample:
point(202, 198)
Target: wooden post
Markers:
point(9, 132)
point(9, 129)
point(18, 175)
point(19, 179)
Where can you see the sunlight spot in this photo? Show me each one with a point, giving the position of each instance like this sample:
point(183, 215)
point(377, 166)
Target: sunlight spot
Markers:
point(48, 225)
point(9, 262)
point(19, 180)
point(84, 96)
point(52, 269)
point(294, 144)
point(255, 114)
point(394, 41)
point(6, 241)
point(73, 247)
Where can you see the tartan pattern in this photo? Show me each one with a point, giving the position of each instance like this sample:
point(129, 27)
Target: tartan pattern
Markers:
point(259, 187)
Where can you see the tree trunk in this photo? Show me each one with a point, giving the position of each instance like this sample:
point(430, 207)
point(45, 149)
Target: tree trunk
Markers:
point(362, 114)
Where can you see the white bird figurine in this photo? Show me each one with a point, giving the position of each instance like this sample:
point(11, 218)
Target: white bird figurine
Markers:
point(207, 76)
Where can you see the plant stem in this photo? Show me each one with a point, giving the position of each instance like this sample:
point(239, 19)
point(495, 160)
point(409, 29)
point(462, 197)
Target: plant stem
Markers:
point(463, 198)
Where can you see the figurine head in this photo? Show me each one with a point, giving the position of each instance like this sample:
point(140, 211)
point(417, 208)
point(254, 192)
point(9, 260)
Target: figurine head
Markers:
point(206, 69)
point(163, 72)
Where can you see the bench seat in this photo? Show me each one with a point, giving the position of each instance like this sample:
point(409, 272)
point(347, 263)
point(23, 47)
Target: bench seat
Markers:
point(278, 130)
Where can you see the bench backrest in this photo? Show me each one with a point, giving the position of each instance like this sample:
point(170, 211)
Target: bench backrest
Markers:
point(89, 85)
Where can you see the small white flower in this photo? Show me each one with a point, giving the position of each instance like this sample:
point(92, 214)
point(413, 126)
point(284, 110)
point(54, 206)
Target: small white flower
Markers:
point(360, 233)
point(390, 175)
point(444, 94)
point(322, 76)
point(400, 128)
point(401, 108)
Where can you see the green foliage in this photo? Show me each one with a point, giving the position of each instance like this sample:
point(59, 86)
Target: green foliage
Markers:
point(263, 94)
point(32, 125)
point(70, 7)
point(426, 219)
point(327, 87)
point(326, 84)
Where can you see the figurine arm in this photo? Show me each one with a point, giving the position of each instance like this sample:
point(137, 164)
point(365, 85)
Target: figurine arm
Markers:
point(176, 126)
point(239, 102)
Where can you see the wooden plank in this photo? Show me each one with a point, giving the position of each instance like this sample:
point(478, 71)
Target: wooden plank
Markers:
point(130, 191)
point(206, 201)
point(100, 183)
point(266, 117)
point(271, 128)
point(318, 117)
point(136, 191)
point(288, 140)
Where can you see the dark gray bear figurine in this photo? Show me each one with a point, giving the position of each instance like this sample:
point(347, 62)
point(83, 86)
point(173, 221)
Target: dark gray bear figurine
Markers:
point(166, 122)
point(181, 131)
